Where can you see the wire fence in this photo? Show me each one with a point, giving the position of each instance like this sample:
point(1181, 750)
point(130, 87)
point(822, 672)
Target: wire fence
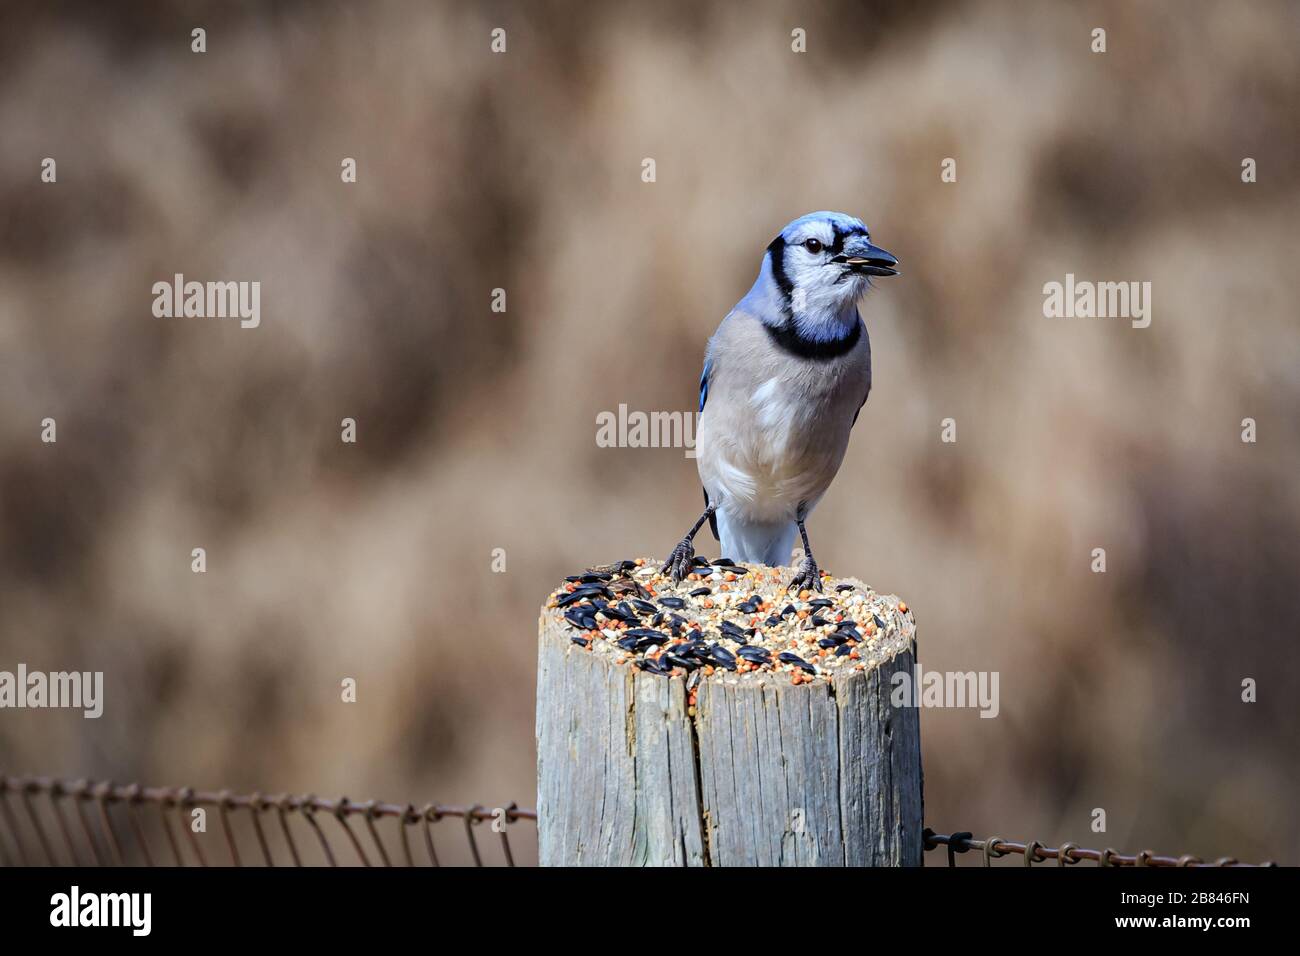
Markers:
point(151, 816)
point(1067, 854)
point(103, 824)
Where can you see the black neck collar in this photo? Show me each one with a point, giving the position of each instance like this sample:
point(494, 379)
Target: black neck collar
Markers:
point(787, 336)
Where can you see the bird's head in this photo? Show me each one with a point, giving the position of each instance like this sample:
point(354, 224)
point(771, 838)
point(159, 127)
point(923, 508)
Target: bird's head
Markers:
point(821, 264)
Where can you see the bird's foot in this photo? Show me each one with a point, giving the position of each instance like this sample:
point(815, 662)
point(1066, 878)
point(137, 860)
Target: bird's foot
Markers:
point(680, 561)
point(809, 576)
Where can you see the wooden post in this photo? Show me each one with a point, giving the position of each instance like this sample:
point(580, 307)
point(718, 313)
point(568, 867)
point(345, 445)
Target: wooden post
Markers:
point(767, 772)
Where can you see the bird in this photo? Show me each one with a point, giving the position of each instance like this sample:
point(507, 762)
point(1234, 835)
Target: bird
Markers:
point(785, 376)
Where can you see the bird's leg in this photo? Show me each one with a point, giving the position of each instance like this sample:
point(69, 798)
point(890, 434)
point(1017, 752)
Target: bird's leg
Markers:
point(809, 575)
point(680, 561)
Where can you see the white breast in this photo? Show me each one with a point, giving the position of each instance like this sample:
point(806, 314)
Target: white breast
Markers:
point(774, 430)
point(764, 457)
point(773, 417)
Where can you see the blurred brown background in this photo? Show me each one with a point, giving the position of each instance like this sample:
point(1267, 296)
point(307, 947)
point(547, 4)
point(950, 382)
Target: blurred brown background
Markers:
point(477, 430)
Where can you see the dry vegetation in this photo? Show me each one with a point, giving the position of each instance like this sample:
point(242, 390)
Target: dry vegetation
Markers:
point(477, 430)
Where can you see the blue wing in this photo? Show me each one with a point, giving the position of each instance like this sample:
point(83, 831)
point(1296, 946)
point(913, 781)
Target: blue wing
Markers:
point(704, 397)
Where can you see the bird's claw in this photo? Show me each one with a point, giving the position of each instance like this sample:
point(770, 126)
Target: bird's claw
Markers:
point(809, 576)
point(680, 561)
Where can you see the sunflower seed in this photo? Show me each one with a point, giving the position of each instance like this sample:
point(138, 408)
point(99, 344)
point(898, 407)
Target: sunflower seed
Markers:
point(697, 649)
point(736, 632)
point(683, 662)
point(582, 594)
point(797, 661)
point(581, 618)
point(617, 614)
point(723, 656)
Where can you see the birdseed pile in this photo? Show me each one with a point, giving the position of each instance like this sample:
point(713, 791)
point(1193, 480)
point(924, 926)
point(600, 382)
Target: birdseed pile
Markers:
point(728, 619)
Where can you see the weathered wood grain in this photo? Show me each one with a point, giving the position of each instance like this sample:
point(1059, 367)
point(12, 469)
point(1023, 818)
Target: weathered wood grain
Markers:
point(768, 773)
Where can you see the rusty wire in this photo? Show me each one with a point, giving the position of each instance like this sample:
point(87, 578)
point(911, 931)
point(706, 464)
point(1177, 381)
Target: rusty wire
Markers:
point(114, 844)
point(109, 847)
point(992, 848)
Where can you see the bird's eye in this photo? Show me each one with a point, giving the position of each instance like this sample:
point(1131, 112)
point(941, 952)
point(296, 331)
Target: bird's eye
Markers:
point(813, 245)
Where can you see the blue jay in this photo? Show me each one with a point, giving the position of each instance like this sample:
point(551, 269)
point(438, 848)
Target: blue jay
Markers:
point(785, 376)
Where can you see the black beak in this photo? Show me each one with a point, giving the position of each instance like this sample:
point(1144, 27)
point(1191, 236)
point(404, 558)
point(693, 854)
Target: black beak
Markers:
point(861, 256)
